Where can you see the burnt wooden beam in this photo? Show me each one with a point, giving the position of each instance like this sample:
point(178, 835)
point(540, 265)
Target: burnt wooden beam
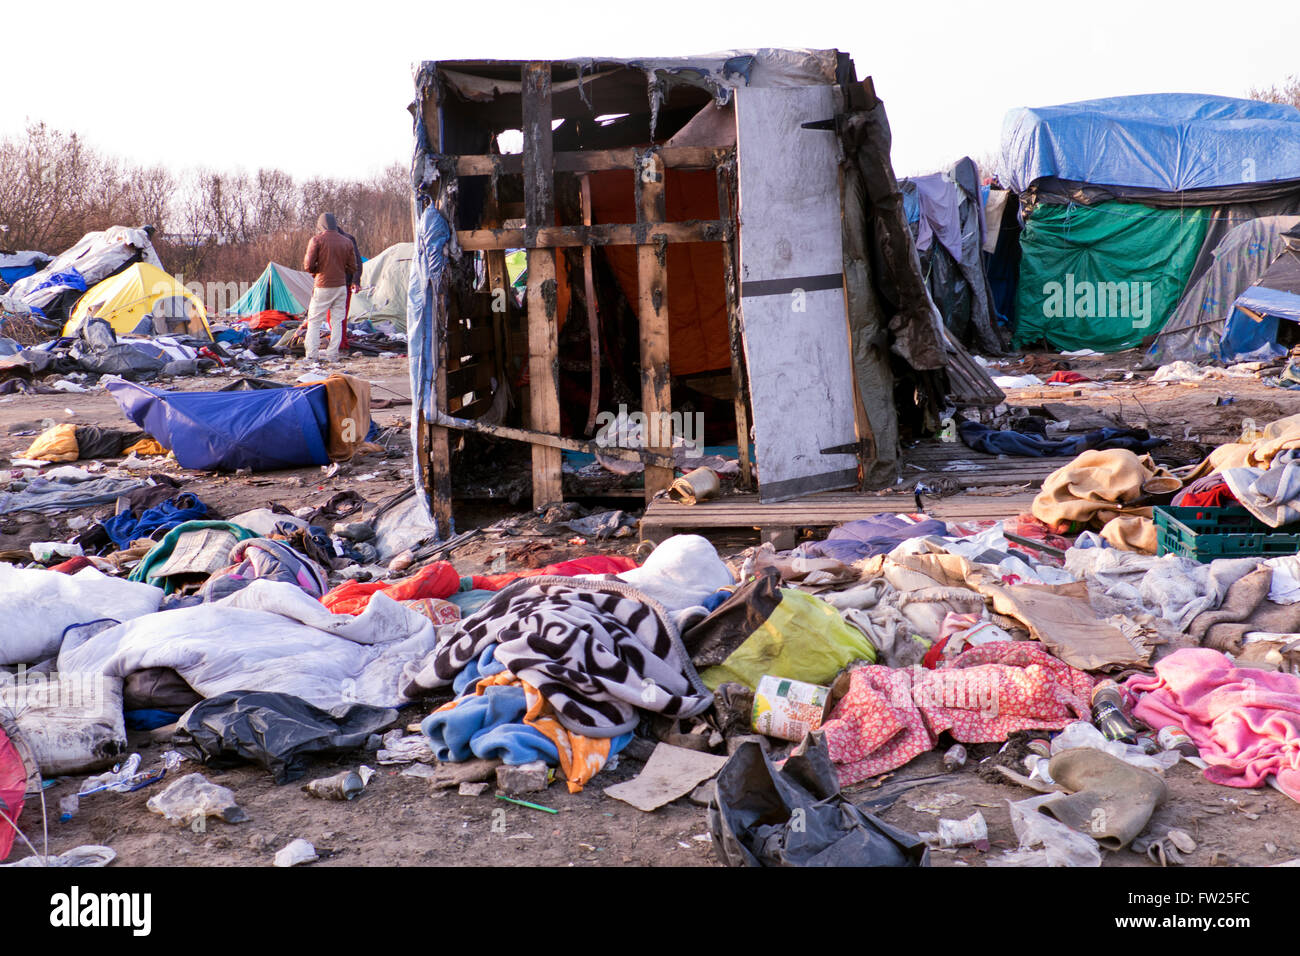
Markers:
point(591, 161)
point(652, 314)
point(433, 443)
point(740, 378)
point(593, 317)
point(599, 234)
point(557, 442)
point(543, 323)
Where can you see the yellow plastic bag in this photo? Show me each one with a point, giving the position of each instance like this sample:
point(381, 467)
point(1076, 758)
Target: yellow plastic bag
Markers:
point(803, 639)
point(55, 444)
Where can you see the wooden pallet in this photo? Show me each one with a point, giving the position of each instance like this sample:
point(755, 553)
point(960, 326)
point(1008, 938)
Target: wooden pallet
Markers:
point(780, 522)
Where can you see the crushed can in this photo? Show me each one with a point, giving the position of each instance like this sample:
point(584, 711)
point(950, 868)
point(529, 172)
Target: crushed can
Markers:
point(342, 786)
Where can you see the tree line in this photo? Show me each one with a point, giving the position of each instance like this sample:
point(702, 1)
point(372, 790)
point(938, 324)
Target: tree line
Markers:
point(211, 225)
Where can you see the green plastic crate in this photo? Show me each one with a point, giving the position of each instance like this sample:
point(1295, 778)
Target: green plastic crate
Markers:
point(1204, 534)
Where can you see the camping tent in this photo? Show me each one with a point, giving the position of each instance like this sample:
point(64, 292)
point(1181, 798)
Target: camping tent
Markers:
point(1124, 200)
point(96, 256)
point(141, 300)
point(279, 288)
point(384, 283)
point(1274, 298)
point(1238, 261)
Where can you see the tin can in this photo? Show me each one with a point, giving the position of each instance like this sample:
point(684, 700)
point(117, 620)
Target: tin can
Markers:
point(1173, 737)
point(788, 709)
point(341, 786)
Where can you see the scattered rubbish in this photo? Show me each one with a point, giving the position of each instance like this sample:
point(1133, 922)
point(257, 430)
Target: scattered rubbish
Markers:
point(671, 772)
point(297, 852)
point(525, 803)
point(346, 785)
point(195, 796)
point(971, 831)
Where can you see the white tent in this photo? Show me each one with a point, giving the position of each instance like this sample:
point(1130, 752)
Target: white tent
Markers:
point(384, 280)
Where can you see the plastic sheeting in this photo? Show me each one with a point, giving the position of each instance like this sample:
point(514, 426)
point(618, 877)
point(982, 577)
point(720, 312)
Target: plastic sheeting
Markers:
point(271, 637)
point(1171, 142)
point(262, 430)
point(277, 731)
point(796, 816)
point(1103, 277)
point(1256, 313)
point(1239, 260)
point(424, 326)
point(95, 257)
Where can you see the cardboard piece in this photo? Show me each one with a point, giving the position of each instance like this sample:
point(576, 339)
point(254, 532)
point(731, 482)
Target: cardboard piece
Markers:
point(671, 772)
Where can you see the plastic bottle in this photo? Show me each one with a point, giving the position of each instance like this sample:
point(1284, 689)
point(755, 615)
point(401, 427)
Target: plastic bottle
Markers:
point(68, 807)
point(1108, 713)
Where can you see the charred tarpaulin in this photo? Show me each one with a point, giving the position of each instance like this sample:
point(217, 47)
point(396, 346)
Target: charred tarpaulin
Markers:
point(722, 234)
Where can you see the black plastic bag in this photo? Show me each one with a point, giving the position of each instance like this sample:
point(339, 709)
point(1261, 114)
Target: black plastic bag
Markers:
point(795, 816)
point(277, 731)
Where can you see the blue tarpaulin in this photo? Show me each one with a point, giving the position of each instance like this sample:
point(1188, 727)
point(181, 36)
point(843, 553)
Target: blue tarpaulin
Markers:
point(1170, 142)
point(262, 430)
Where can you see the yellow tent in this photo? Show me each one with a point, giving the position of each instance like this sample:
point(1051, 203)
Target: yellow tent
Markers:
point(142, 300)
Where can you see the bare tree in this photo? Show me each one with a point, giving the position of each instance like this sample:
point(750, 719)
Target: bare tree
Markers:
point(1288, 91)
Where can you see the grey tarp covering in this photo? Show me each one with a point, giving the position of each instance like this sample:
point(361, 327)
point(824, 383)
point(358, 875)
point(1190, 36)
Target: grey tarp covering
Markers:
point(277, 731)
point(796, 816)
point(1238, 261)
point(949, 234)
point(96, 256)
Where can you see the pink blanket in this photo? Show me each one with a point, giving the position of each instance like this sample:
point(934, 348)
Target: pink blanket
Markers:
point(1245, 722)
point(987, 692)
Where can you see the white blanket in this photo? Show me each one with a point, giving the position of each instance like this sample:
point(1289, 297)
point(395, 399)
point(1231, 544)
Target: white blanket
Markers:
point(270, 636)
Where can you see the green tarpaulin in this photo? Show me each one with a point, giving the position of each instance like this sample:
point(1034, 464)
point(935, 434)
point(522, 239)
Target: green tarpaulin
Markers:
point(1103, 277)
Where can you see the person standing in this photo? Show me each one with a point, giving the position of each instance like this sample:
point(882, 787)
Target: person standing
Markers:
point(354, 280)
point(331, 259)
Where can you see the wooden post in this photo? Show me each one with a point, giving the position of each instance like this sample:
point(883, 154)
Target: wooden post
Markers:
point(652, 312)
point(543, 342)
point(739, 378)
point(437, 440)
point(593, 317)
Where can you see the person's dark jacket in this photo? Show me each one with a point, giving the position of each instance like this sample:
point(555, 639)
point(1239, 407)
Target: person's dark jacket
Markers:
point(331, 259)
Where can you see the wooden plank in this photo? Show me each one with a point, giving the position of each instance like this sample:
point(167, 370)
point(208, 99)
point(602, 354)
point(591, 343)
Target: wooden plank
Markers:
point(663, 517)
point(545, 440)
point(595, 160)
point(476, 341)
point(652, 315)
point(598, 234)
point(474, 377)
point(739, 378)
point(543, 323)
point(593, 316)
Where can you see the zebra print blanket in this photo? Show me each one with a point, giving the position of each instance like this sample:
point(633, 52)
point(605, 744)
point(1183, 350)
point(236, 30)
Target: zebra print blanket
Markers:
point(597, 650)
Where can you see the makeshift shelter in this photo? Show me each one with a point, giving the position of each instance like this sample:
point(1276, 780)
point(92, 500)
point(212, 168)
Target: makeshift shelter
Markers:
point(1195, 329)
point(659, 201)
point(946, 215)
point(278, 288)
point(20, 265)
point(1257, 314)
point(1125, 199)
point(54, 290)
point(142, 300)
point(384, 283)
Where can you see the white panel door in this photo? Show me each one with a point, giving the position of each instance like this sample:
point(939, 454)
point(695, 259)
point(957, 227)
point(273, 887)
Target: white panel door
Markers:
point(792, 292)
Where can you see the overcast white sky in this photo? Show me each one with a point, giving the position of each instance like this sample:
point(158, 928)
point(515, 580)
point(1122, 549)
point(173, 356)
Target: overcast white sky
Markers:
point(322, 89)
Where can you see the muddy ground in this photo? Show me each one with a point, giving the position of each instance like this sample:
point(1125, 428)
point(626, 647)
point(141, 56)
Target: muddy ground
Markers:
point(401, 820)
